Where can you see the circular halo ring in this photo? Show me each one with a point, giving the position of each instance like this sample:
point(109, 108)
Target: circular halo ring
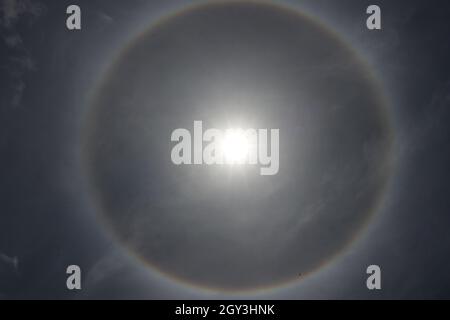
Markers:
point(384, 113)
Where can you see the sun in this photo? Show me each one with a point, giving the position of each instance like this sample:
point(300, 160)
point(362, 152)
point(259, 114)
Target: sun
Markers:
point(235, 146)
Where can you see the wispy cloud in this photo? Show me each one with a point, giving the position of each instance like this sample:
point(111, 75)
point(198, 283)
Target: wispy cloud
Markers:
point(9, 274)
point(13, 40)
point(12, 10)
point(433, 119)
point(18, 60)
point(104, 17)
point(11, 263)
point(112, 263)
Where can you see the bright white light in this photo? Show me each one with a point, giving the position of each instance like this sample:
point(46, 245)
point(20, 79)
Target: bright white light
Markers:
point(235, 146)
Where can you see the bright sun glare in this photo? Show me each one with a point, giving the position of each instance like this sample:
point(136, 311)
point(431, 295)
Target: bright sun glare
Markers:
point(235, 146)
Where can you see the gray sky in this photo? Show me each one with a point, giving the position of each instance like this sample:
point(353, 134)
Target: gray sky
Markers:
point(86, 175)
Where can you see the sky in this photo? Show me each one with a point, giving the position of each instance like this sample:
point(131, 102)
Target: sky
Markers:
point(85, 170)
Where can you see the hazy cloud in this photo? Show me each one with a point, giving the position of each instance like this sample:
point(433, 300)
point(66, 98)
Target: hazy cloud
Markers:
point(433, 119)
point(9, 274)
point(18, 57)
point(107, 266)
point(13, 41)
point(12, 10)
point(104, 17)
point(12, 263)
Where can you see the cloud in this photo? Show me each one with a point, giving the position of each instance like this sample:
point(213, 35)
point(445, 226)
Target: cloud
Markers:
point(433, 119)
point(9, 275)
point(18, 91)
point(12, 10)
point(13, 40)
point(25, 63)
point(12, 263)
point(107, 266)
point(104, 17)
point(18, 58)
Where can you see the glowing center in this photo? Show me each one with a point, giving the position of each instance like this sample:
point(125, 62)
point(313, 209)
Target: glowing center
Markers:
point(235, 146)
